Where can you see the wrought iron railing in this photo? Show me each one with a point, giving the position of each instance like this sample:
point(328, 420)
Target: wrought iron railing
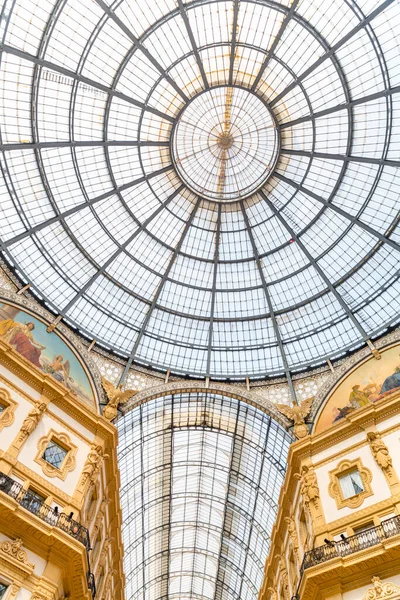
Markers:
point(354, 543)
point(52, 516)
point(36, 506)
point(350, 545)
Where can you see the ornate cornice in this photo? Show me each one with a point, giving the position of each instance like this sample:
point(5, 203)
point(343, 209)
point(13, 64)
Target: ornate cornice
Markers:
point(346, 367)
point(230, 390)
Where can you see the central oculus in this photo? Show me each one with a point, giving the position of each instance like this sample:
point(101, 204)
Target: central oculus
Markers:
point(225, 144)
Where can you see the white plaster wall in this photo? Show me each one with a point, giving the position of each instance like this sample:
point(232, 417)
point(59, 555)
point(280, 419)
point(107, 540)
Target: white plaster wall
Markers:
point(73, 423)
point(19, 382)
point(30, 449)
point(358, 593)
point(339, 447)
point(24, 594)
point(379, 485)
point(38, 561)
point(9, 433)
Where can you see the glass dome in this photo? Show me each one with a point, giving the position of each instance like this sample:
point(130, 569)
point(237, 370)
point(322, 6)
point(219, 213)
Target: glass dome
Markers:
point(209, 187)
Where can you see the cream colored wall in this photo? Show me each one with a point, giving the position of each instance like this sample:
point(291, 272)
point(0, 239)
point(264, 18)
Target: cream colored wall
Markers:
point(379, 485)
point(18, 382)
point(8, 433)
point(30, 449)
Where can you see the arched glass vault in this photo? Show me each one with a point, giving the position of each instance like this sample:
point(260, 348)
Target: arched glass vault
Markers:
point(200, 480)
point(241, 246)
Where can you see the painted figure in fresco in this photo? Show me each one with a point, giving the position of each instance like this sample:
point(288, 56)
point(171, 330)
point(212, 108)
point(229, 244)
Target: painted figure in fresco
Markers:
point(341, 413)
point(358, 398)
point(20, 336)
point(59, 369)
point(392, 382)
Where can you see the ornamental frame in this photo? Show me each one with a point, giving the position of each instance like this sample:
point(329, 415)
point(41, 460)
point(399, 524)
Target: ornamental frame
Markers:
point(335, 489)
point(7, 415)
point(69, 462)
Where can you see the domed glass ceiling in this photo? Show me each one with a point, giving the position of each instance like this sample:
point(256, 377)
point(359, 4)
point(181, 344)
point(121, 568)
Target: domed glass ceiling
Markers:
point(210, 187)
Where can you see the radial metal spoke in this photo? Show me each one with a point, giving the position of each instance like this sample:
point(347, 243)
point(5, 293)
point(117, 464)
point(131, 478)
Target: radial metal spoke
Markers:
point(234, 39)
point(82, 79)
point(158, 292)
point(193, 43)
point(348, 159)
point(111, 14)
point(316, 266)
point(339, 107)
point(80, 144)
point(275, 43)
point(269, 302)
point(60, 217)
point(214, 287)
point(334, 49)
point(340, 211)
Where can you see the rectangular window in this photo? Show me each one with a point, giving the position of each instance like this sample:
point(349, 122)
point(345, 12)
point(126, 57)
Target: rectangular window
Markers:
point(32, 501)
point(54, 454)
point(3, 589)
point(351, 484)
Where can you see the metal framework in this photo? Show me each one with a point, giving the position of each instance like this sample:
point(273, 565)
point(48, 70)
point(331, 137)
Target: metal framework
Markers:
point(200, 481)
point(96, 219)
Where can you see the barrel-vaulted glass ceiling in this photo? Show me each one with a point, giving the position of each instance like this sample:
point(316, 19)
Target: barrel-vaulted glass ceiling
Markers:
point(207, 186)
point(200, 482)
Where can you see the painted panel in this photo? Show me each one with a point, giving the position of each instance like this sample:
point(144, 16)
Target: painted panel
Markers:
point(371, 381)
point(47, 351)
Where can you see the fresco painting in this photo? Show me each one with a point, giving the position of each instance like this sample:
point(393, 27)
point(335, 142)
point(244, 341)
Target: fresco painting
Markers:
point(372, 381)
point(47, 351)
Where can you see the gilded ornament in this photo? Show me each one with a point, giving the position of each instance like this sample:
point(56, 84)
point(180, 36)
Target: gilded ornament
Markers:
point(15, 550)
point(308, 485)
point(115, 397)
point(380, 451)
point(297, 413)
point(381, 590)
point(30, 423)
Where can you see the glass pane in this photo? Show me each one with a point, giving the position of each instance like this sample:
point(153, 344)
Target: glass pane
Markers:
point(54, 454)
point(3, 589)
point(32, 501)
point(351, 484)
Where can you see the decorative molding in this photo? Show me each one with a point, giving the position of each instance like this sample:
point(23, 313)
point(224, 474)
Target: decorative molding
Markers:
point(335, 489)
point(31, 421)
point(382, 590)
point(69, 462)
point(7, 415)
point(346, 368)
point(383, 459)
point(15, 550)
point(72, 340)
point(223, 389)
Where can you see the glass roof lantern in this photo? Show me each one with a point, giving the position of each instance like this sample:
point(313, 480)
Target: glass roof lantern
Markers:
point(209, 187)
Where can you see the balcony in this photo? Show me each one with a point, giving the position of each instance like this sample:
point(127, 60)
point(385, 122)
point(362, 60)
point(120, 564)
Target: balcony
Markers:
point(43, 511)
point(355, 543)
point(50, 515)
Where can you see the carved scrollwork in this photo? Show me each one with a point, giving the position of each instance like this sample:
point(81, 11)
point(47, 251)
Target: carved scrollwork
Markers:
point(15, 550)
point(380, 590)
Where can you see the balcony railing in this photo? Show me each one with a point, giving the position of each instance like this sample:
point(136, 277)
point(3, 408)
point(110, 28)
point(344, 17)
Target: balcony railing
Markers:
point(355, 543)
point(50, 515)
point(36, 506)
